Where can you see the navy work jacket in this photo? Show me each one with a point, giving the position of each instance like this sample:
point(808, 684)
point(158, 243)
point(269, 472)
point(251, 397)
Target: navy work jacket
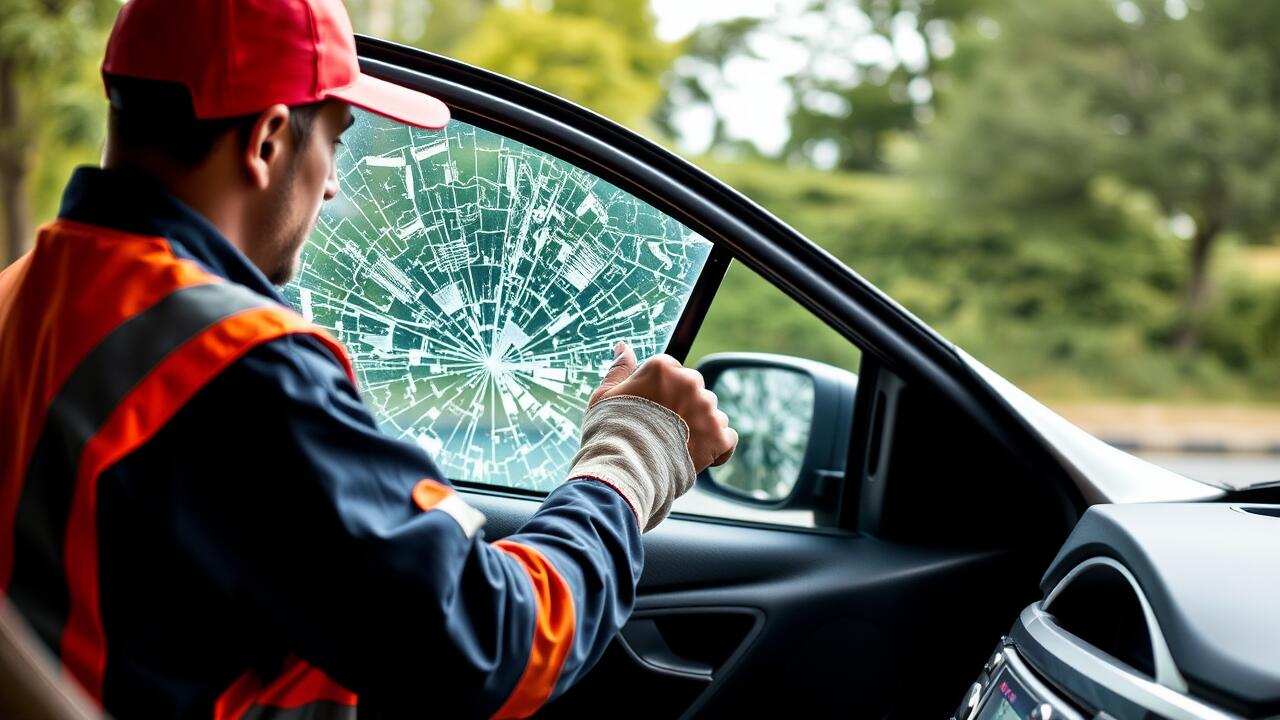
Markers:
point(269, 549)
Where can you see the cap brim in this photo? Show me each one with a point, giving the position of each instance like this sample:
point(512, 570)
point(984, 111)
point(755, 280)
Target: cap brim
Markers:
point(394, 101)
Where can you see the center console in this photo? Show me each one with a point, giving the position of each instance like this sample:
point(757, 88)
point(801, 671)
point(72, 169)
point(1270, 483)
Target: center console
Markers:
point(1008, 690)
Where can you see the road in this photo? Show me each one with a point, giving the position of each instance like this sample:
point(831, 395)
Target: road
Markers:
point(1234, 469)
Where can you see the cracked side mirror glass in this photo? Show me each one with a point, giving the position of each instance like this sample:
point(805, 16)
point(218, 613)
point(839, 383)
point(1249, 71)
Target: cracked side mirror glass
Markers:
point(772, 410)
point(794, 420)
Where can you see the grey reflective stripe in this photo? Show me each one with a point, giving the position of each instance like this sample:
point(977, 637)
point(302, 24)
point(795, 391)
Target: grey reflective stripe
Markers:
point(80, 407)
point(132, 350)
point(310, 711)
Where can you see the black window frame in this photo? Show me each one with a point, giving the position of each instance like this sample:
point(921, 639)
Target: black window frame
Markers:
point(740, 230)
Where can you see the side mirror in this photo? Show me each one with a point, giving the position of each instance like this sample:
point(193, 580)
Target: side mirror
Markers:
point(794, 419)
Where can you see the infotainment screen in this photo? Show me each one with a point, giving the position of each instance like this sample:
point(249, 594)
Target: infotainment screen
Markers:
point(1007, 700)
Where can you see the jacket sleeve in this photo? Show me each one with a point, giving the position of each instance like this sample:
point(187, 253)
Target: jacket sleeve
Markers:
point(352, 548)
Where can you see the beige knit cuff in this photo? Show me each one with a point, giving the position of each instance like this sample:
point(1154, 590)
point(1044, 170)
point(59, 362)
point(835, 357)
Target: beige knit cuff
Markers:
point(640, 449)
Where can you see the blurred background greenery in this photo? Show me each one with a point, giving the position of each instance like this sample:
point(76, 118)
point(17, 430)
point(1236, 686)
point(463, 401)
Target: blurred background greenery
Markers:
point(1081, 193)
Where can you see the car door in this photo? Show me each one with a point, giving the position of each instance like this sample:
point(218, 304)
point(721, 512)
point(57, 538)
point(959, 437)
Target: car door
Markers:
point(922, 529)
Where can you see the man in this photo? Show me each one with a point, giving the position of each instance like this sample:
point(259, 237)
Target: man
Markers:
point(198, 515)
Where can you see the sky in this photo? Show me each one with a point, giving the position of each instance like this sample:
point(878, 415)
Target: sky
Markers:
point(756, 102)
point(756, 109)
point(677, 18)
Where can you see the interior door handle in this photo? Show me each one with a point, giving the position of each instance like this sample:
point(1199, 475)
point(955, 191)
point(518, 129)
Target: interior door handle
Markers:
point(644, 642)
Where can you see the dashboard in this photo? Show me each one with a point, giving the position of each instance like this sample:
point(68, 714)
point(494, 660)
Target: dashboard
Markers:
point(1160, 610)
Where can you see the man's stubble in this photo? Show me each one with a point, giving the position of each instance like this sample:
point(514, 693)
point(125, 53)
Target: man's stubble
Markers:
point(288, 231)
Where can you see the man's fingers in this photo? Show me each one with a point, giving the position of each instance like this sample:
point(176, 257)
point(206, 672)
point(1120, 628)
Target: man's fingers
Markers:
point(624, 364)
point(693, 379)
point(731, 437)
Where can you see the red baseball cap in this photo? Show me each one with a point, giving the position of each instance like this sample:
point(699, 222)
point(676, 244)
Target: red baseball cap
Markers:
point(238, 57)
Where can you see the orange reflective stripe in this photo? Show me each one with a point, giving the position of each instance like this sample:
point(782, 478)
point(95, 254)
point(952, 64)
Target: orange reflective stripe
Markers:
point(336, 348)
point(429, 493)
point(298, 685)
point(552, 632)
point(18, 440)
point(58, 305)
point(51, 307)
point(10, 279)
point(133, 422)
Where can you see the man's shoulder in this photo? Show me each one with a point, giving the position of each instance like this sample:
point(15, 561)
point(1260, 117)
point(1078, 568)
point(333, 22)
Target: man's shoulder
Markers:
point(297, 361)
point(262, 336)
point(283, 388)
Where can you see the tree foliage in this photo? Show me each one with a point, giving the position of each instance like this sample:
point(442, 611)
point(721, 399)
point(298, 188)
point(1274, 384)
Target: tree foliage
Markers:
point(45, 110)
point(857, 71)
point(435, 25)
point(1076, 304)
point(1076, 90)
point(603, 54)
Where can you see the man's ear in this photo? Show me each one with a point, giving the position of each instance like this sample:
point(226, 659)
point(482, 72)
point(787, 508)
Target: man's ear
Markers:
point(268, 145)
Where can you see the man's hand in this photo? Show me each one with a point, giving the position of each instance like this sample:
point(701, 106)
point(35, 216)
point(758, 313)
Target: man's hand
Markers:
point(663, 380)
point(647, 433)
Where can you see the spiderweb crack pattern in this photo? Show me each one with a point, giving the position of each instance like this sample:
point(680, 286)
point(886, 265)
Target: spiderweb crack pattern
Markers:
point(480, 285)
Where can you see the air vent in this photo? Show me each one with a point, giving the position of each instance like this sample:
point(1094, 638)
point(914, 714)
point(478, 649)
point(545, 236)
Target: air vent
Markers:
point(1099, 605)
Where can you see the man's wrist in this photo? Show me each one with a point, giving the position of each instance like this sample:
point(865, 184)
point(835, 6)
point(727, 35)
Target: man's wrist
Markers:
point(626, 497)
point(639, 448)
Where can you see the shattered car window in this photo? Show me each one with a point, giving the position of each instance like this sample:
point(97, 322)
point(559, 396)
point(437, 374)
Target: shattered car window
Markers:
point(480, 286)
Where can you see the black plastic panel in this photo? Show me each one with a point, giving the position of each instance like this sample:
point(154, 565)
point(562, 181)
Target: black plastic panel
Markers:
point(1212, 575)
point(852, 626)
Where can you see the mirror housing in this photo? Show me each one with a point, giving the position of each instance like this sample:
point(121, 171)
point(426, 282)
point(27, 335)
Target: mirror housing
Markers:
point(825, 455)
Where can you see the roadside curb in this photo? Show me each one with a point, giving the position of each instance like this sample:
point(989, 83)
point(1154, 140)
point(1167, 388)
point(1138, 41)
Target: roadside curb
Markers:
point(1192, 447)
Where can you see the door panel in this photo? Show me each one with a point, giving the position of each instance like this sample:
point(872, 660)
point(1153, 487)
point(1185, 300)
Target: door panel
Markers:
point(826, 623)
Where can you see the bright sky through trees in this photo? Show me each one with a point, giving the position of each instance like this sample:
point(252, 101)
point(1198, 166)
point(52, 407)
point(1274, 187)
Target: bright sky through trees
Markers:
point(755, 101)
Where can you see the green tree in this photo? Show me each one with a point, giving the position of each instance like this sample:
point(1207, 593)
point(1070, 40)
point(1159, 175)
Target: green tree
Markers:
point(1168, 103)
point(602, 54)
point(43, 105)
point(852, 112)
point(434, 25)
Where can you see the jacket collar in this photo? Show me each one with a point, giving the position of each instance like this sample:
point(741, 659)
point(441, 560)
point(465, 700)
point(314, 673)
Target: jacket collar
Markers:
point(132, 202)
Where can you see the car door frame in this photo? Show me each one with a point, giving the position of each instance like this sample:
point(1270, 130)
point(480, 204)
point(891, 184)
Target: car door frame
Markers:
point(891, 339)
point(738, 228)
